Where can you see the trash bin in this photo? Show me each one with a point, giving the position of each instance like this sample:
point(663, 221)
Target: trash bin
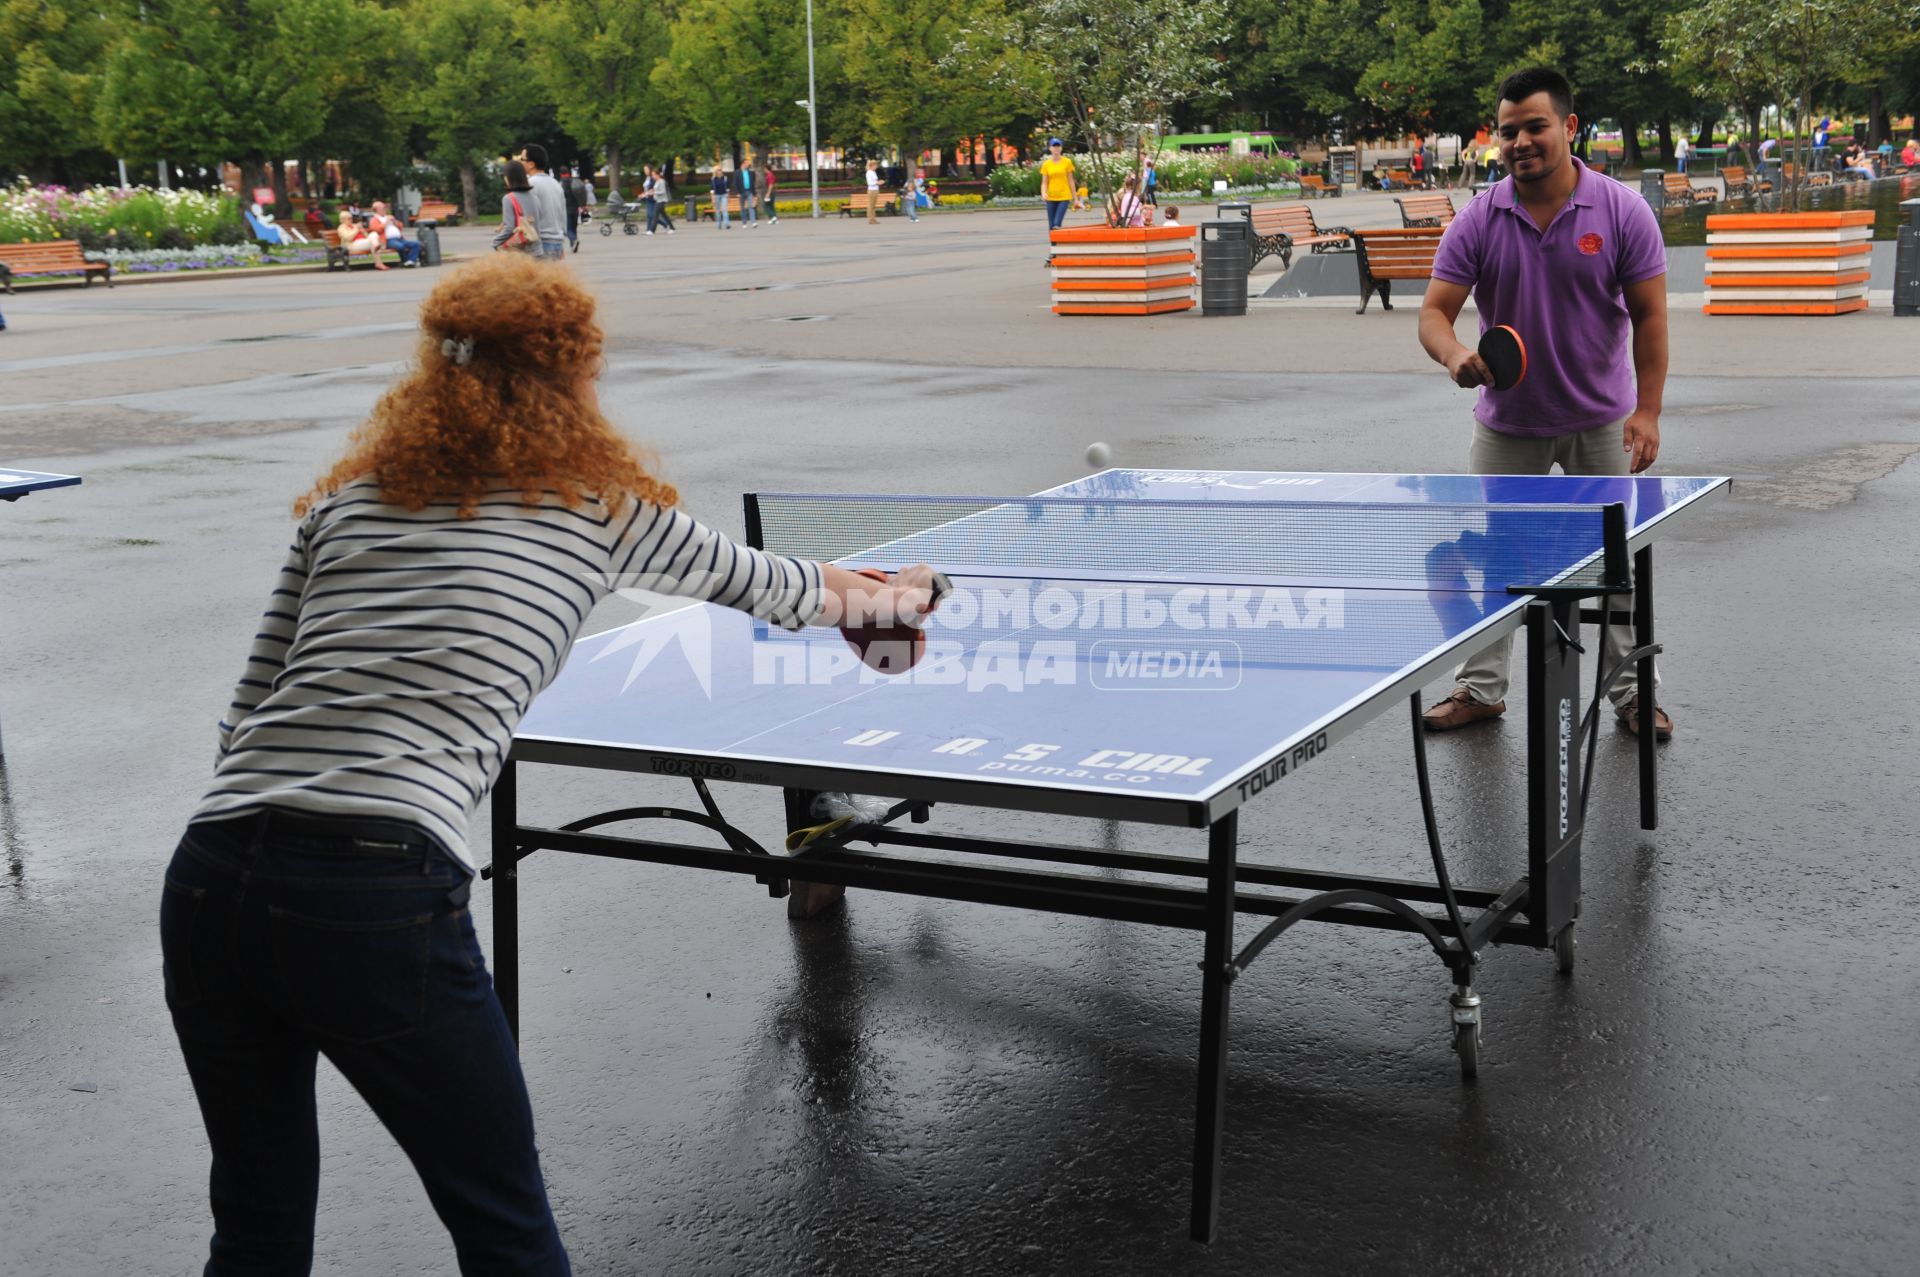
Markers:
point(1906, 262)
point(1653, 188)
point(1226, 255)
point(692, 217)
point(427, 231)
point(1235, 208)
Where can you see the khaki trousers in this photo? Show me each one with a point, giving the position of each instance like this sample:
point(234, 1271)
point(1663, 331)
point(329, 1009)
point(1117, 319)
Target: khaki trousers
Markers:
point(1594, 451)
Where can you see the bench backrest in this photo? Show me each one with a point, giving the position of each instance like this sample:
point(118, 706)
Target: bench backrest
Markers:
point(1678, 182)
point(1415, 208)
point(1734, 173)
point(1314, 180)
point(1285, 219)
point(57, 251)
point(1399, 253)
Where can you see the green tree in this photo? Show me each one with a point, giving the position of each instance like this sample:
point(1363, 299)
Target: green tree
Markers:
point(212, 80)
point(901, 70)
point(472, 87)
point(592, 60)
point(50, 52)
point(736, 69)
point(1101, 68)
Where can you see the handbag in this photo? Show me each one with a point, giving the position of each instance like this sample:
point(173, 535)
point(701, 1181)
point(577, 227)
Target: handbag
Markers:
point(523, 236)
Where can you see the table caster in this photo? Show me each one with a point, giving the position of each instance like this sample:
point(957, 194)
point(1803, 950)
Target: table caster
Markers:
point(1564, 946)
point(1465, 1004)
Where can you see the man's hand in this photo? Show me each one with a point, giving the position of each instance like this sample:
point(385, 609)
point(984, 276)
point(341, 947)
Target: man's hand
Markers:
point(1467, 369)
point(1641, 439)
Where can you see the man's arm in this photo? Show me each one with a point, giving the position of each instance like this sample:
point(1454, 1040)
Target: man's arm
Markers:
point(1437, 315)
point(1647, 307)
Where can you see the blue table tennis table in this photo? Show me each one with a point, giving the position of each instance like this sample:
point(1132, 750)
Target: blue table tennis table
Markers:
point(15, 484)
point(1158, 647)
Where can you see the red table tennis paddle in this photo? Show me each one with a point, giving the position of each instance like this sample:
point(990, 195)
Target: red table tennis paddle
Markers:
point(897, 647)
point(1505, 356)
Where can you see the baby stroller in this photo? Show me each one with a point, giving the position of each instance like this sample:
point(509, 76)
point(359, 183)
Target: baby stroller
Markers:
point(614, 210)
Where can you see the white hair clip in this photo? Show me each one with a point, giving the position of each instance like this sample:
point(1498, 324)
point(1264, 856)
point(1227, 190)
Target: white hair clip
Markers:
point(459, 351)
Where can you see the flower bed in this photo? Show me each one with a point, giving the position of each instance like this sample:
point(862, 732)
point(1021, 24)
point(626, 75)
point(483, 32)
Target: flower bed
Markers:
point(213, 257)
point(108, 216)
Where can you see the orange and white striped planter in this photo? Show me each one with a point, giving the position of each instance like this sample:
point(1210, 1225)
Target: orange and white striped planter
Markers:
point(1788, 263)
point(1104, 270)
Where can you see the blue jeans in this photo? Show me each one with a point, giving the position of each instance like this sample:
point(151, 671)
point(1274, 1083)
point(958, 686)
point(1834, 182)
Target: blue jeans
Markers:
point(409, 250)
point(1057, 213)
point(721, 218)
point(288, 936)
point(554, 249)
point(746, 208)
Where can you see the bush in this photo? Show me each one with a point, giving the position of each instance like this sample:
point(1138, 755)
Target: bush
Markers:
point(960, 201)
point(1011, 181)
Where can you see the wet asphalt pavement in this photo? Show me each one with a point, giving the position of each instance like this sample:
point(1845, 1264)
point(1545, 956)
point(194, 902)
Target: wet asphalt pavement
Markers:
point(1726, 1085)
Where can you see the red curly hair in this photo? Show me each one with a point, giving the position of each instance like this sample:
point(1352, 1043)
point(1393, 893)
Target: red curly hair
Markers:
point(511, 414)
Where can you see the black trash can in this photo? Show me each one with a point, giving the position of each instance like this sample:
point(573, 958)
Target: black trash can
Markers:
point(1906, 262)
point(1653, 188)
point(1226, 255)
point(427, 231)
point(1235, 208)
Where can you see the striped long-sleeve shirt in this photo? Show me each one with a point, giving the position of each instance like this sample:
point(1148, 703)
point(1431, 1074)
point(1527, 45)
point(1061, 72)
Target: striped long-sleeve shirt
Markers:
point(400, 649)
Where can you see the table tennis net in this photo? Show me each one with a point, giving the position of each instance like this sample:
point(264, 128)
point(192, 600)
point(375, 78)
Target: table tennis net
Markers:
point(1466, 547)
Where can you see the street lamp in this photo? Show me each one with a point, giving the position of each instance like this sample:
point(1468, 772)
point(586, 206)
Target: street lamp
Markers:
point(813, 120)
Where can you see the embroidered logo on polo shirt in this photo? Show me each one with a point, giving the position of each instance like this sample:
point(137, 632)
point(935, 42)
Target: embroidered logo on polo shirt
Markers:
point(1590, 243)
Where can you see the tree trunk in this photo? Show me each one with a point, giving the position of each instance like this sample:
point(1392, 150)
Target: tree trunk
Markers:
point(469, 191)
point(613, 170)
point(1666, 141)
point(1630, 154)
point(1879, 125)
point(282, 205)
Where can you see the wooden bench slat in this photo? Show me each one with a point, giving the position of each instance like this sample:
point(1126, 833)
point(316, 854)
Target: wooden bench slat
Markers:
point(1279, 229)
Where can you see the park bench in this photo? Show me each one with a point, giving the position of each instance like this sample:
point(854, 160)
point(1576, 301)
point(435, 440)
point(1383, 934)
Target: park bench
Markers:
point(1314, 184)
point(1386, 254)
point(1739, 182)
point(1813, 179)
point(439, 211)
point(338, 258)
point(1278, 229)
point(55, 257)
point(857, 203)
point(1681, 191)
point(1396, 179)
point(733, 207)
point(1425, 210)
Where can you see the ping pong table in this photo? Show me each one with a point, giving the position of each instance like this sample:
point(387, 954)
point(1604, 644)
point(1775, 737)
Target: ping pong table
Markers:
point(1158, 647)
point(15, 484)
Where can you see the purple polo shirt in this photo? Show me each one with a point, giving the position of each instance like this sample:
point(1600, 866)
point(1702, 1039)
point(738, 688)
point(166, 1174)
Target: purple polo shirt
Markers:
point(1561, 290)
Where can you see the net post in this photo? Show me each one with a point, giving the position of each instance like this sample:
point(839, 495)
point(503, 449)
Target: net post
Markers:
point(1553, 768)
point(750, 501)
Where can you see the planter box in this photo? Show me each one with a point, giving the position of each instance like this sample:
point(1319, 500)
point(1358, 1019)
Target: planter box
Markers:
point(1102, 270)
point(1788, 263)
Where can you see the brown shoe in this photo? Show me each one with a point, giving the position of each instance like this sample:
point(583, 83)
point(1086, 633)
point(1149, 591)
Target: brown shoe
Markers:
point(1458, 710)
point(1630, 715)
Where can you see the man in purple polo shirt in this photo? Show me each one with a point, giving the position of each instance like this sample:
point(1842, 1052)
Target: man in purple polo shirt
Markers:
point(1574, 263)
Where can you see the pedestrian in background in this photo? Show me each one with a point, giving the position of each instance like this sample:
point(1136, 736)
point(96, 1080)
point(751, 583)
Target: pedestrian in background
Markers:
point(747, 193)
point(718, 187)
point(873, 192)
point(574, 191)
point(547, 202)
point(767, 183)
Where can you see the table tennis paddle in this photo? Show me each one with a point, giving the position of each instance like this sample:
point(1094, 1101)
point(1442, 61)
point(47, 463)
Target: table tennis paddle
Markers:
point(1505, 356)
point(897, 647)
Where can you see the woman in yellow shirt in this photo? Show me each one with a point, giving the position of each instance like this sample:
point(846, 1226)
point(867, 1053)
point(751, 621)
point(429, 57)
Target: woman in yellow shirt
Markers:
point(1056, 184)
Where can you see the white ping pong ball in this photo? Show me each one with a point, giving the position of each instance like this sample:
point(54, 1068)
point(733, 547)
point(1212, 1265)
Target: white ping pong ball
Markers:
point(1098, 454)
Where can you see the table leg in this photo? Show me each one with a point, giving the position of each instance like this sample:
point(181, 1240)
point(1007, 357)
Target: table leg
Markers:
point(1216, 980)
point(506, 896)
point(1643, 637)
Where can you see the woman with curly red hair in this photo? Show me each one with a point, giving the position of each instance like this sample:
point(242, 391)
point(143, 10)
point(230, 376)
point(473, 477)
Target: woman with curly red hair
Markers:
point(317, 902)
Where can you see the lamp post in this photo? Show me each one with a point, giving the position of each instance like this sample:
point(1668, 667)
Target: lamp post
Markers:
point(813, 120)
